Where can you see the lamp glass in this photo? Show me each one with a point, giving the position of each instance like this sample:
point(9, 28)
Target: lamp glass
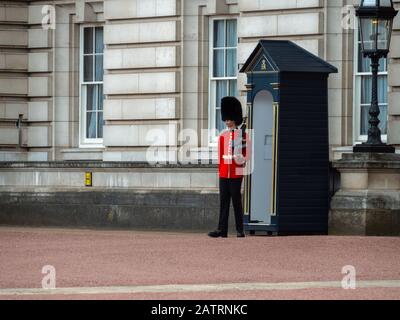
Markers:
point(375, 33)
point(368, 28)
point(384, 28)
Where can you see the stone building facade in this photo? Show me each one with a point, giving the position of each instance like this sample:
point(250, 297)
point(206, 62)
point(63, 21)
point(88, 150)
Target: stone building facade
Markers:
point(104, 80)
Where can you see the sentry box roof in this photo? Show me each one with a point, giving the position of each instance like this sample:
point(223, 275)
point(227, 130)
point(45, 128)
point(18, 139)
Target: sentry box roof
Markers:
point(284, 56)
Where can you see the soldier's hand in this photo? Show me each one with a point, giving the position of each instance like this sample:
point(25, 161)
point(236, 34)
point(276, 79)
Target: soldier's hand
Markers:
point(239, 159)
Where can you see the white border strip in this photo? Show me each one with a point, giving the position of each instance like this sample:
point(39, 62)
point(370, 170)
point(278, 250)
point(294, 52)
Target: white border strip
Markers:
point(175, 288)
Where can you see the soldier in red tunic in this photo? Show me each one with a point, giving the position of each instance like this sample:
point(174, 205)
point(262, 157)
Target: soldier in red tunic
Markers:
point(232, 154)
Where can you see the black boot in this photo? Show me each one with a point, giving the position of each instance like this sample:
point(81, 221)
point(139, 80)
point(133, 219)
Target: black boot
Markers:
point(217, 234)
point(240, 235)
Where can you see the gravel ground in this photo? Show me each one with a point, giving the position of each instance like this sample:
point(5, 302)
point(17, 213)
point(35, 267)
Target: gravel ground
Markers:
point(93, 258)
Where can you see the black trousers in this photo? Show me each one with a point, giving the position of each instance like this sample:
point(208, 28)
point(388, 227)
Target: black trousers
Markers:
point(230, 189)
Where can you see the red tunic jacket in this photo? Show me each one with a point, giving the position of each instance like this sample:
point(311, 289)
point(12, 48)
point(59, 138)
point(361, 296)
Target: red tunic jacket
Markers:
point(233, 152)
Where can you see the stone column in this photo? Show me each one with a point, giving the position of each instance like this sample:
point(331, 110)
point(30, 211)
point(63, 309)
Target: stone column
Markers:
point(13, 80)
point(368, 201)
point(40, 83)
point(142, 79)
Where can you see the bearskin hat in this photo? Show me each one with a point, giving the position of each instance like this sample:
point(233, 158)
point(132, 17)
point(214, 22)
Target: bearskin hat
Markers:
point(231, 109)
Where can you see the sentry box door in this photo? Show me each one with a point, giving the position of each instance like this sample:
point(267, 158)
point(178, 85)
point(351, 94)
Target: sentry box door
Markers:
point(263, 125)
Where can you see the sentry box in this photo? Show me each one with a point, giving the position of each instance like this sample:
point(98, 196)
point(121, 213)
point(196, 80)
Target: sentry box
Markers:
point(287, 191)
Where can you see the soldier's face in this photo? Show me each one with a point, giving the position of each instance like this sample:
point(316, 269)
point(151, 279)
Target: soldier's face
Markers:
point(230, 123)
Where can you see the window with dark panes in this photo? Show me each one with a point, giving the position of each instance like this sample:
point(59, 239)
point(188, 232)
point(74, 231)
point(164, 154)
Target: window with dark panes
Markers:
point(92, 84)
point(223, 69)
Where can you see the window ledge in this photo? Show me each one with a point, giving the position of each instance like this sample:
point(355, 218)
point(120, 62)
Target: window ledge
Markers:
point(82, 154)
point(78, 150)
point(338, 151)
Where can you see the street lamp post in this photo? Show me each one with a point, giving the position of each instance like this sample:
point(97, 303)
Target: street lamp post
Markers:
point(376, 24)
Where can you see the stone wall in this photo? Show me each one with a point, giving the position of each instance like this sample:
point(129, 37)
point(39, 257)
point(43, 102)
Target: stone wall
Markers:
point(166, 89)
point(122, 195)
point(14, 83)
point(116, 209)
point(106, 175)
point(156, 71)
point(368, 201)
point(142, 76)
